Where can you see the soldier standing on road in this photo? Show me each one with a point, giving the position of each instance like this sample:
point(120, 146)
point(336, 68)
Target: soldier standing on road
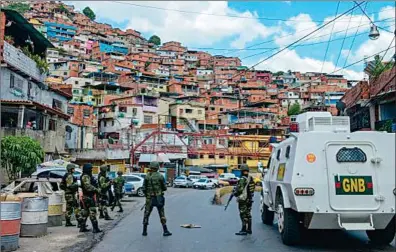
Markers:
point(118, 184)
point(88, 201)
point(244, 193)
point(104, 185)
point(154, 188)
point(70, 186)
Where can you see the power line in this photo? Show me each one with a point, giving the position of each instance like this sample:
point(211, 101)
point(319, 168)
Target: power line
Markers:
point(219, 15)
point(328, 42)
point(316, 37)
point(319, 28)
point(295, 42)
point(353, 41)
point(343, 41)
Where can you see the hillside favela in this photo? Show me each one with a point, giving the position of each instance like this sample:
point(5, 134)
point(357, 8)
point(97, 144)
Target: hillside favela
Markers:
point(298, 127)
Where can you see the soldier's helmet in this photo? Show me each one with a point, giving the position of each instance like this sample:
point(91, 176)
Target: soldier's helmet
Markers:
point(87, 168)
point(244, 168)
point(119, 173)
point(70, 167)
point(103, 168)
point(154, 165)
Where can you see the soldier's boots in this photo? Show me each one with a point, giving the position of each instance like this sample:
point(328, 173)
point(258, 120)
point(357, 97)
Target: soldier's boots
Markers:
point(121, 210)
point(107, 217)
point(144, 230)
point(249, 227)
point(101, 216)
point(243, 230)
point(112, 208)
point(83, 227)
point(166, 231)
point(69, 224)
point(95, 226)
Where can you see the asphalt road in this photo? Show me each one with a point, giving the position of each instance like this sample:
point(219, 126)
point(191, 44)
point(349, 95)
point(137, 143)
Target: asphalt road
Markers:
point(217, 232)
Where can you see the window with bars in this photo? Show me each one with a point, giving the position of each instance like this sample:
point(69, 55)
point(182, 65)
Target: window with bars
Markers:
point(351, 155)
point(70, 110)
point(148, 119)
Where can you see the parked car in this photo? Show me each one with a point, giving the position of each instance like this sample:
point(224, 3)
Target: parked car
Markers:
point(137, 182)
point(183, 181)
point(195, 178)
point(129, 188)
point(143, 175)
point(227, 176)
point(56, 173)
point(220, 183)
point(233, 181)
point(204, 183)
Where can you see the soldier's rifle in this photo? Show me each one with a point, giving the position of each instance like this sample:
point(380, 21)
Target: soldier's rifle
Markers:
point(230, 198)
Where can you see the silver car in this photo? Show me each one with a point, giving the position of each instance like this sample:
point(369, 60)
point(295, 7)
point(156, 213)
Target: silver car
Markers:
point(183, 181)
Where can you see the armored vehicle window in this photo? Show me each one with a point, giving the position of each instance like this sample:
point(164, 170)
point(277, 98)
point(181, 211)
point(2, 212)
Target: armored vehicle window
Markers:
point(348, 155)
point(287, 154)
point(278, 154)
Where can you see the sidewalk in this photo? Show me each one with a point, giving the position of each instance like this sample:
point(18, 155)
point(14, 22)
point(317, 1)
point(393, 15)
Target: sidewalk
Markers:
point(69, 239)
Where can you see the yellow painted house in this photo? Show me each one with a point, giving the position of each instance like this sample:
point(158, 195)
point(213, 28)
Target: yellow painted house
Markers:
point(247, 149)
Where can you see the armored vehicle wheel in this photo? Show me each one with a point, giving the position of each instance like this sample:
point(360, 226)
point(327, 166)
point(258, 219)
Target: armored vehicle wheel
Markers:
point(267, 216)
point(383, 236)
point(288, 224)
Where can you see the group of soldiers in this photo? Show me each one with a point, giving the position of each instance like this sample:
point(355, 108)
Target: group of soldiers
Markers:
point(94, 193)
point(153, 187)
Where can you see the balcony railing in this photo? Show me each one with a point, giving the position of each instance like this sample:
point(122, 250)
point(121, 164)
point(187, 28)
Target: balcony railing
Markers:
point(150, 109)
point(17, 59)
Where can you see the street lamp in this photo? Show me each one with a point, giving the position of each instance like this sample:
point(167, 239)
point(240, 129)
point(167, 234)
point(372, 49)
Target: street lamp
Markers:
point(374, 33)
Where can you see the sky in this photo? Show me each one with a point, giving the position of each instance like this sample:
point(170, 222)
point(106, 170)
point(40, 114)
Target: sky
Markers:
point(254, 31)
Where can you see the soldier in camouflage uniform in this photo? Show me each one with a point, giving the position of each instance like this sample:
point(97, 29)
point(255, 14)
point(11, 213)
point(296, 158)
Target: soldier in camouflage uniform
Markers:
point(154, 188)
point(244, 193)
point(88, 202)
point(118, 184)
point(70, 186)
point(104, 185)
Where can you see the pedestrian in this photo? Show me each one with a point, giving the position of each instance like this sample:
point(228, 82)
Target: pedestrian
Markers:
point(104, 185)
point(70, 186)
point(88, 201)
point(154, 188)
point(244, 193)
point(118, 184)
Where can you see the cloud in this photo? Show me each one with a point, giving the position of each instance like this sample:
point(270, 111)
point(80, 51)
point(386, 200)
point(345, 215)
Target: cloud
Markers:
point(371, 47)
point(188, 28)
point(287, 2)
point(298, 26)
point(290, 60)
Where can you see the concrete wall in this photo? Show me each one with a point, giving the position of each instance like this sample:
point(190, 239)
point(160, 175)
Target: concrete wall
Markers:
point(20, 90)
point(48, 139)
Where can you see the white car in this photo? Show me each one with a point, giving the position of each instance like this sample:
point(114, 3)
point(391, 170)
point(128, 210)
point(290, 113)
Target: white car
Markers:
point(183, 181)
point(195, 178)
point(227, 176)
point(57, 173)
point(204, 183)
point(137, 182)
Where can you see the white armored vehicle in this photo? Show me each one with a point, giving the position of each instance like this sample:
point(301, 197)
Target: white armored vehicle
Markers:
point(325, 177)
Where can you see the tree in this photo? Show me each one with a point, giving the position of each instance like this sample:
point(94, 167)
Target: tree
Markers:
point(294, 109)
point(20, 154)
point(155, 40)
point(89, 13)
point(19, 7)
point(279, 73)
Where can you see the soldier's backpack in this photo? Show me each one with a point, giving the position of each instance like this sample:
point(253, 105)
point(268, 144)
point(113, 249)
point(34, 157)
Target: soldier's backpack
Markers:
point(244, 194)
